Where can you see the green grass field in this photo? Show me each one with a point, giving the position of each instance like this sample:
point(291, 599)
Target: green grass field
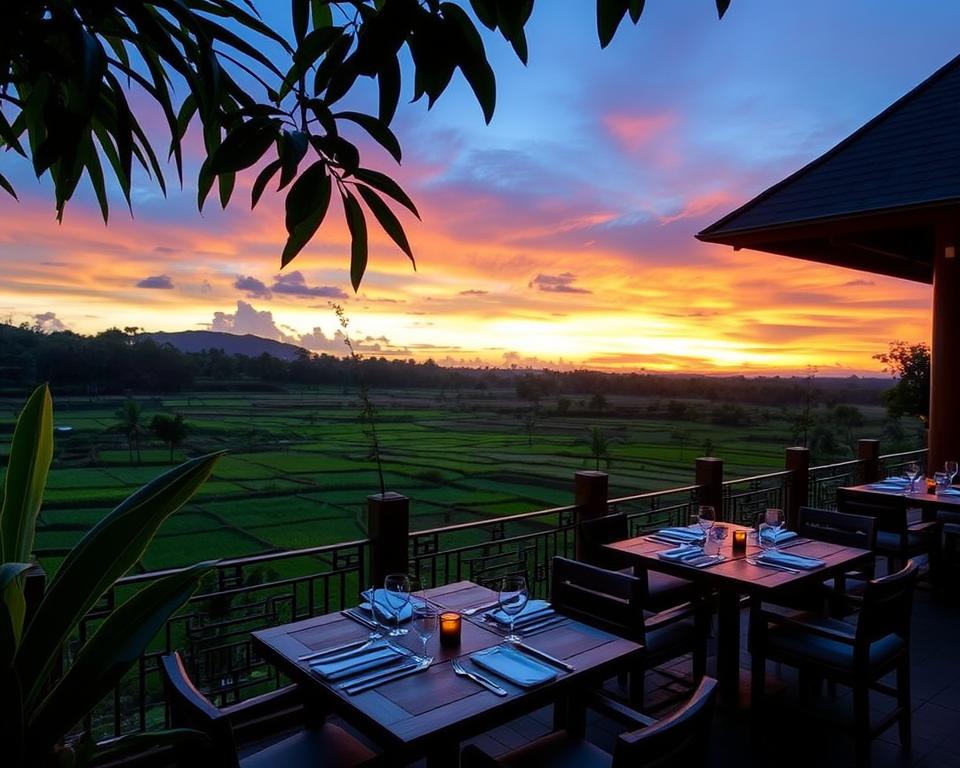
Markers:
point(299, 470)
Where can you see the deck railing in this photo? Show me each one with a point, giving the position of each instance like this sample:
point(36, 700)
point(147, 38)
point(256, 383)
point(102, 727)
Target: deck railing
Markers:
point(250, 593)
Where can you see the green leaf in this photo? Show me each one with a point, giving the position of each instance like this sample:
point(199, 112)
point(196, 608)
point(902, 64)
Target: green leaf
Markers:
point(388, 186)
point(390, 223)
point(116, 645)
point(473, 59)
point(306, 206)
point(225, 183)
point(300, 10)
point(486, 11)
point(244, 146)
point(636, 10)
point(377, 129)
point(388, 82)
point(13, 606)
point(293, 147)
point(8, 187)
point(107, 551)
point(358, 238)
point(322, 15)
point(722, 6)
point(30, 454)
point(263, 178)
point(609, 15)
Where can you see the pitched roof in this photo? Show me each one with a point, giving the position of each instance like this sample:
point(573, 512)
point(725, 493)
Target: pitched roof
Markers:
point(906, 158)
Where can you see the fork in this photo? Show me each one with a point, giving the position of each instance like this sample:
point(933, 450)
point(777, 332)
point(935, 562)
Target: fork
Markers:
point(486, 683)
point(478, 608)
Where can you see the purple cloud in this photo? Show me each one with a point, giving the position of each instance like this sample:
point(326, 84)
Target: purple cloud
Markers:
point(256, 289)
point(162, 282)
point(557, 283)
point(294, 284)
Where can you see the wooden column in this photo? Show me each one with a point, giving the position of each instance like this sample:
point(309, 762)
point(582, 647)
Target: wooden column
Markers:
point(590, 496)
point(868, 454)
point(943, 437)
point(709, 476)
point(388, 526)
point(797, 461)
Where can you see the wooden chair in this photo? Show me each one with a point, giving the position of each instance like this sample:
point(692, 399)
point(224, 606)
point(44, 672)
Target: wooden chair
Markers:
point(328, 745)
point(680, 739)
point(857, 655)
point(847, 530)
point(950, 548)
point(663, 591)
point(618, 603)
point(898, 539)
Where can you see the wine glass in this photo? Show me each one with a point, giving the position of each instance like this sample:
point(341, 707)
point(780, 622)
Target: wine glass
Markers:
point(425, 621)
point(375, 608)
point(951, 468)
point(766, 537)
point(774, 520)
point(706, 517)
point(396, 588)
point(913, 472)
point(513, 599)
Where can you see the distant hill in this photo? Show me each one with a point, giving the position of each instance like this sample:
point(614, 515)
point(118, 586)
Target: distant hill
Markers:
point(230, 343)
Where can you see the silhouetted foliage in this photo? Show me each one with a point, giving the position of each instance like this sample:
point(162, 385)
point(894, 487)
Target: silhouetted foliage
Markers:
point(910, 363)
point(169, 429)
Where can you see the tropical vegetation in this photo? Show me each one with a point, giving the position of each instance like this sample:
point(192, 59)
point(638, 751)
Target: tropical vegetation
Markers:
point(50, 678)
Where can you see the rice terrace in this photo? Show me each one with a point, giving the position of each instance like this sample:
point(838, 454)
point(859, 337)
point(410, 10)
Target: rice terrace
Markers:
point(299, 465)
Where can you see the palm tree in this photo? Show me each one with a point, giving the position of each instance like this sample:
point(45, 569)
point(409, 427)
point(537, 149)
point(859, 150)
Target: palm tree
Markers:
point(170, 430)
point(129, 424)
point(599, 446)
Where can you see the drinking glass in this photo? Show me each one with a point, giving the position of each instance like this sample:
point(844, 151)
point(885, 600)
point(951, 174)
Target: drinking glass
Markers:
point(774, 519)
point(425, 621)
point(951, 467)
point(375, 609)
point(942, 479)
point(767, 537)
point(397, 590)
point(513, 599)
point(706, 517)
point(913, 472)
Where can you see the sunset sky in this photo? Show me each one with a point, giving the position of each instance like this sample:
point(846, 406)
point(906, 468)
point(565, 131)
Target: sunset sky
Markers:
point(559, 235)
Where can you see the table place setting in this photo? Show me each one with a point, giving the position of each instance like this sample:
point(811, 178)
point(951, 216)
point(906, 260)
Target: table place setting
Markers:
point(787, 560)
point(676, 535)
point(358, 669)
point(512, 664)
point(692, 555)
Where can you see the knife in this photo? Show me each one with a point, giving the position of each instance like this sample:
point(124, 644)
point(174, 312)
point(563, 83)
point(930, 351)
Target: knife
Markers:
point(539, 626)
point(544, 656)
point(395, 675)
point(358, 618)
point(772, 566)
point(395, 665)
point(338, 650)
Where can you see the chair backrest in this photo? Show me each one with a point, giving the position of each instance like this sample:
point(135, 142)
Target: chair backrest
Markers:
point(889, 511)
point(599, 531)
point(191, 709)
point(680, 739)
point(837, 527)
point(605, 599)
point(887, 605)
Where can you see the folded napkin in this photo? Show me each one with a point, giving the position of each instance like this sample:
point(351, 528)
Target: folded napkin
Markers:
point(791, 561)
point(778, 536)
point(948, 492)
point(515, 666)
point(384, 607)
point(680, 553)
point(533, 611)
point(896, 480)
point(680, 535)
point(368, 658)
point(887, 486)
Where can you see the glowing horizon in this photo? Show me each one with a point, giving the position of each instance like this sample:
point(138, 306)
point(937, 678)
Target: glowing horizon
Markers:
point(559, 236)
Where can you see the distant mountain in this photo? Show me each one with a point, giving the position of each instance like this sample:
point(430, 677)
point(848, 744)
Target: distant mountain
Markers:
point(230, 343)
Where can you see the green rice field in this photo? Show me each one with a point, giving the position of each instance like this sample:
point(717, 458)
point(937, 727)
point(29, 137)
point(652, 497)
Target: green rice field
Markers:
point(299, 468)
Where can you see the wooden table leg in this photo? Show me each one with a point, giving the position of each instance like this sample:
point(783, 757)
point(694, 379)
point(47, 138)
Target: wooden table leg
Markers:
point(728, 645)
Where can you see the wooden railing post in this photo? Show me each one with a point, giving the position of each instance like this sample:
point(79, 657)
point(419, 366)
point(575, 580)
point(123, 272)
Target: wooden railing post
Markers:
point(388, 527)
point(868, 454)
point(798, 462)
point(709, 476)
point(590, 496)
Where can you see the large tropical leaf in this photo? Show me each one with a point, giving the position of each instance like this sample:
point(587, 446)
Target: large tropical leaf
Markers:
point(101, 557)
point(116, 645)
point(30, 455)
point(13, 601)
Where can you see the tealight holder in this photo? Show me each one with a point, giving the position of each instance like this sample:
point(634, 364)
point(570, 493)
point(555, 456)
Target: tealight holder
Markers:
point(450, 629)
point(740, 542)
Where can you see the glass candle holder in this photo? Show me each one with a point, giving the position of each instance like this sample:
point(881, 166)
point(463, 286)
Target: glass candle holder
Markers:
point(450, 629)
point(740, 542)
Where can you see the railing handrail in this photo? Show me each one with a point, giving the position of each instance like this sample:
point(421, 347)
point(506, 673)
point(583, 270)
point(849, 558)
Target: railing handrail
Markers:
point(493, 521)
point(653, 494)
point(837, 465)
point(755, 478)
point(263, 557)
point(903, 453)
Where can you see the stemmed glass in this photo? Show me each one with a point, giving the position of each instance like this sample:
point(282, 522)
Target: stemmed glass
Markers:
point(396, 587)
point(706, 517)
point(951, 468)
point(513, 599)
point(375, 608)
point(425, 621)
point(913, 473)
point(774, 521)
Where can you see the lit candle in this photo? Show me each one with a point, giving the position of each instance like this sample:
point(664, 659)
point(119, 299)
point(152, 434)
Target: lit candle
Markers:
point(450, 630)
point(739, 541)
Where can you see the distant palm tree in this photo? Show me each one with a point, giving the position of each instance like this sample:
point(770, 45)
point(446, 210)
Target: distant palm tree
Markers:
point(599, 445)
point(129, 424)
point(170, 430)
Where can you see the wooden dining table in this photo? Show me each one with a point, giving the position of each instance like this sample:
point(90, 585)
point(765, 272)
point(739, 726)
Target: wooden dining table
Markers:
point(735, 577)
point(429, 713)
point(928, 503)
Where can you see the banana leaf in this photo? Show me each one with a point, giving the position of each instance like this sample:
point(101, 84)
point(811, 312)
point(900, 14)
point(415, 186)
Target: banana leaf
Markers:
point(101, 557)
point(13, 607)
point(105, 658)
point(30, 454)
